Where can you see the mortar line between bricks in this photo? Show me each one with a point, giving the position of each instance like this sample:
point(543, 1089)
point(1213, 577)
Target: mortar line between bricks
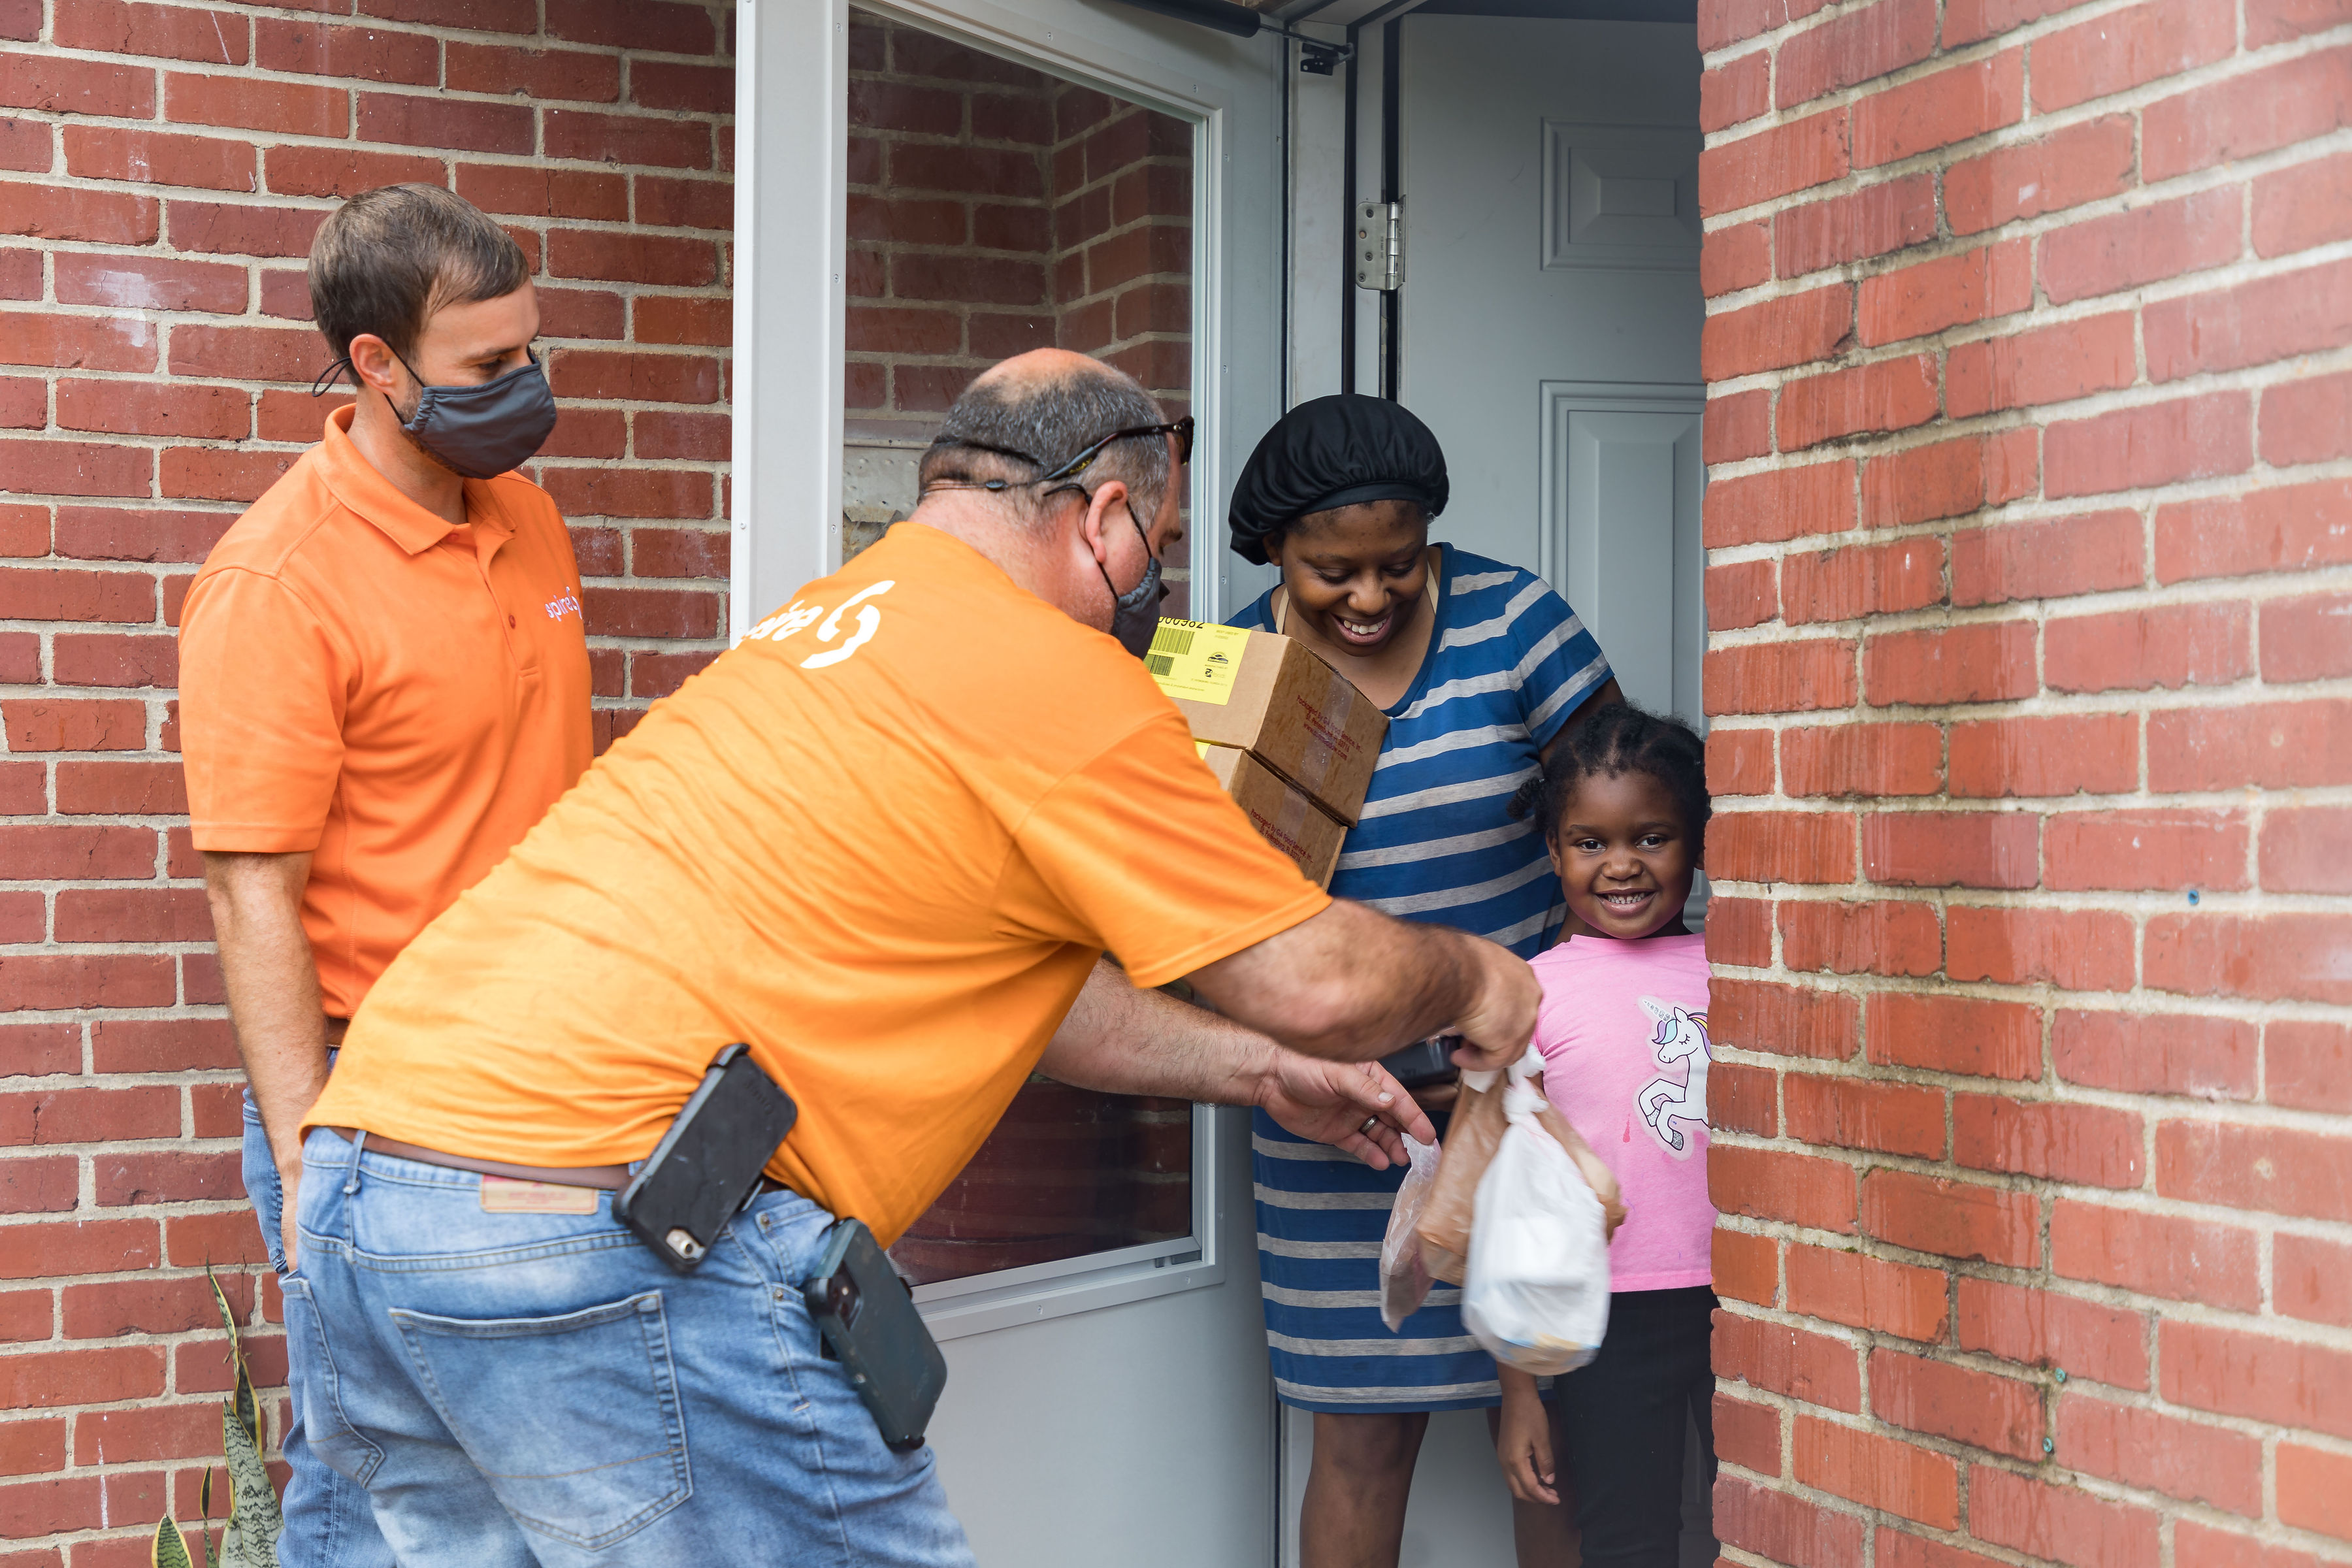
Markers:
point(2113, 1298)
point(2028, 133)
point(2154, 1111)
point(2244, 267)
point(2228, 174)
point(2238, 62)
point(2136, 198)
point(2137, 394)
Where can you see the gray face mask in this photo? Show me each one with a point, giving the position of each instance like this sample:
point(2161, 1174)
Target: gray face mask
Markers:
point(476, 432)
point(479, 432)
point(1134, 614)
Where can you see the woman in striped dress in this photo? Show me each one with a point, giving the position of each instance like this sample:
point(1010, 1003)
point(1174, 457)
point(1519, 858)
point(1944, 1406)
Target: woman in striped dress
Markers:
point(1480, 668)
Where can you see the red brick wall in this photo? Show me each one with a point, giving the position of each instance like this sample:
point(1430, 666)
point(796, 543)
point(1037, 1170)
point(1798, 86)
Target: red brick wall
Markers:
point(1123, 238)
point(1122, 179)
point(2030, 529)
point(994, 209)
point(951, 222)
point(162, 170)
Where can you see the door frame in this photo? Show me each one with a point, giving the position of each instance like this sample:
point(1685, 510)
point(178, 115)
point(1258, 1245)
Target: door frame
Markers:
point(791, 225)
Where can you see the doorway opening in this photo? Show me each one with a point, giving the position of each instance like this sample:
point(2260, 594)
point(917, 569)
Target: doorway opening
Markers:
point(1542, 158)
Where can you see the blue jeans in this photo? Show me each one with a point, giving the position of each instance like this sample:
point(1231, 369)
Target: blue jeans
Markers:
point(516, 1389)
point(329, 1523)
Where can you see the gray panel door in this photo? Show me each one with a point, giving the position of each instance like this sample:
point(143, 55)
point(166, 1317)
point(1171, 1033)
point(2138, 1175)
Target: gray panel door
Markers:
point(1620, 532)
point(1551, 235)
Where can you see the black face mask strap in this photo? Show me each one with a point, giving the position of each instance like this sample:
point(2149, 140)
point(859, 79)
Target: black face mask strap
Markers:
point(1141, 532)
point(966, 482)
point(328, 377)
point(408, 367)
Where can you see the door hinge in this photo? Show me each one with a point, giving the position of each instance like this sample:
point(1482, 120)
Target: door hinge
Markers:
point(1379, 245)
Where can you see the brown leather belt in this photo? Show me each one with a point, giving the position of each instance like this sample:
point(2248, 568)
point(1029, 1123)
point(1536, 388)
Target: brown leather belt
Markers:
point(612, 1178)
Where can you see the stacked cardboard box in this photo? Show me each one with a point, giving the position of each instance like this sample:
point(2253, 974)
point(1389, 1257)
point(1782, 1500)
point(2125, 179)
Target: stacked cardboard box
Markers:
point(1290, 737)
point(1284, 816)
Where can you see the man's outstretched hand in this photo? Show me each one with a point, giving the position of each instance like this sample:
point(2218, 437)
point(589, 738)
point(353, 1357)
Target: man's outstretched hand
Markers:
point(1330, 1102)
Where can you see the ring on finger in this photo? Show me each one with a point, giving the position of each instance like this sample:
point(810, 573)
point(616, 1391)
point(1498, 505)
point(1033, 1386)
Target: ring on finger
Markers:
point(1369, 1122)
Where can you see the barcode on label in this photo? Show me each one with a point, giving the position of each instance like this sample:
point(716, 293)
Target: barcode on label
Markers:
point(1158, 664)
point(1175, 641)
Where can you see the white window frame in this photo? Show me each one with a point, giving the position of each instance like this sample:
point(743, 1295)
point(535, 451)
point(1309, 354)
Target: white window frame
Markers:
point(954, 1308)
point(786, 476)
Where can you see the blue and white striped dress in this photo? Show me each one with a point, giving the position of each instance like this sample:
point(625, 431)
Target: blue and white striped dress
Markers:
point(1508, 663)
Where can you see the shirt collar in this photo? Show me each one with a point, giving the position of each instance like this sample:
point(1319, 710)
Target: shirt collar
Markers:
point(353, 481)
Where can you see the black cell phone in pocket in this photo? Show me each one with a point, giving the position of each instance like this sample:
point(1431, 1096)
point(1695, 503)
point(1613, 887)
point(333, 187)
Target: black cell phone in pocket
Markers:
point(708, 1164)
point(871, 1327)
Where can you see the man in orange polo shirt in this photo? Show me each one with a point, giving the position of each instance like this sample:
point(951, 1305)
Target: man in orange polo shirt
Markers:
point(885, 841)
point(384, 683)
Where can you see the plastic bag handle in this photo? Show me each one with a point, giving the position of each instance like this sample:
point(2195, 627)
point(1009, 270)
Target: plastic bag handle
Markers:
point(1526, 1068)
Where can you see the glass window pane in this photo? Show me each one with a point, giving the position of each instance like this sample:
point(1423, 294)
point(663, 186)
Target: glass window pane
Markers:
point(1066, 1173)
point(995, 209)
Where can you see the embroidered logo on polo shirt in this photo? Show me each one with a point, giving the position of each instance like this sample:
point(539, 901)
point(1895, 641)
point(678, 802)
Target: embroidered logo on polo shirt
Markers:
point(564, 604)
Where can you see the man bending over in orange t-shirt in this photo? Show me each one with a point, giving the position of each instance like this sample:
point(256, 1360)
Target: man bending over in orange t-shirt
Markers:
point(885, 841)
point(383, 683)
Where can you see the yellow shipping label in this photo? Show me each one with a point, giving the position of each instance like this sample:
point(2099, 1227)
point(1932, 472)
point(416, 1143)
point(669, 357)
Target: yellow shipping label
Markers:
point(1197, 660)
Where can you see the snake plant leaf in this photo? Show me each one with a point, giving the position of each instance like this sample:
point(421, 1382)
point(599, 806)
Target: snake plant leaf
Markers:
point(204, 1496)
point(171, 1548)
point(254, 1520)
point(248, 1408)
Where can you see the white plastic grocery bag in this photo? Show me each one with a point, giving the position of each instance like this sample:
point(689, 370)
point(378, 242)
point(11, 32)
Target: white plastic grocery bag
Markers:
point(1538, 1294)
point(1404, 1278)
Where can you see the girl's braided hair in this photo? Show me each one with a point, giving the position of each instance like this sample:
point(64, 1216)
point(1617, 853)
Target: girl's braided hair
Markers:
point(1621, 739)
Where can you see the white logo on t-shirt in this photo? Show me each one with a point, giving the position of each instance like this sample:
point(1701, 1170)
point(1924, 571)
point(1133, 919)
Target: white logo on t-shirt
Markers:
point(1681, 1035)
point(798, 617)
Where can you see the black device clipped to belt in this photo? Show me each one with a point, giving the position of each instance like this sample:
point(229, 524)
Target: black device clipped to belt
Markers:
point(706, 1168)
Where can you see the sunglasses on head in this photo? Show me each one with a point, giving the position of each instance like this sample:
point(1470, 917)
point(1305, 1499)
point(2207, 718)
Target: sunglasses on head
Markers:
point(1179, 428)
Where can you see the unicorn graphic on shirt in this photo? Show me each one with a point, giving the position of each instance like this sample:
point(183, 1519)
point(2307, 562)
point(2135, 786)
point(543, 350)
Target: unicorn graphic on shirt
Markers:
point(1681, 1037)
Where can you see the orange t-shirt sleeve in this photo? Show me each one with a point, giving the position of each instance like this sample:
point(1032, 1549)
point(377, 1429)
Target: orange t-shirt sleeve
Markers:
point(262, 694)
point(1153, 862)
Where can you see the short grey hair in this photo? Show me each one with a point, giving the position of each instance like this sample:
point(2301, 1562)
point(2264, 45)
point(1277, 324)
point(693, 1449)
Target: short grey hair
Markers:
point(1020, 429)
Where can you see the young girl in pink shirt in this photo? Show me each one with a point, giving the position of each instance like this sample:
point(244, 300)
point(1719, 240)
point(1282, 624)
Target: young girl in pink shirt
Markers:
point(1623, 1029)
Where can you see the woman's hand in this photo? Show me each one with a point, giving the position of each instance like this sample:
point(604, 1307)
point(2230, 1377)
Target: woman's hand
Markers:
point(1523, 1441)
